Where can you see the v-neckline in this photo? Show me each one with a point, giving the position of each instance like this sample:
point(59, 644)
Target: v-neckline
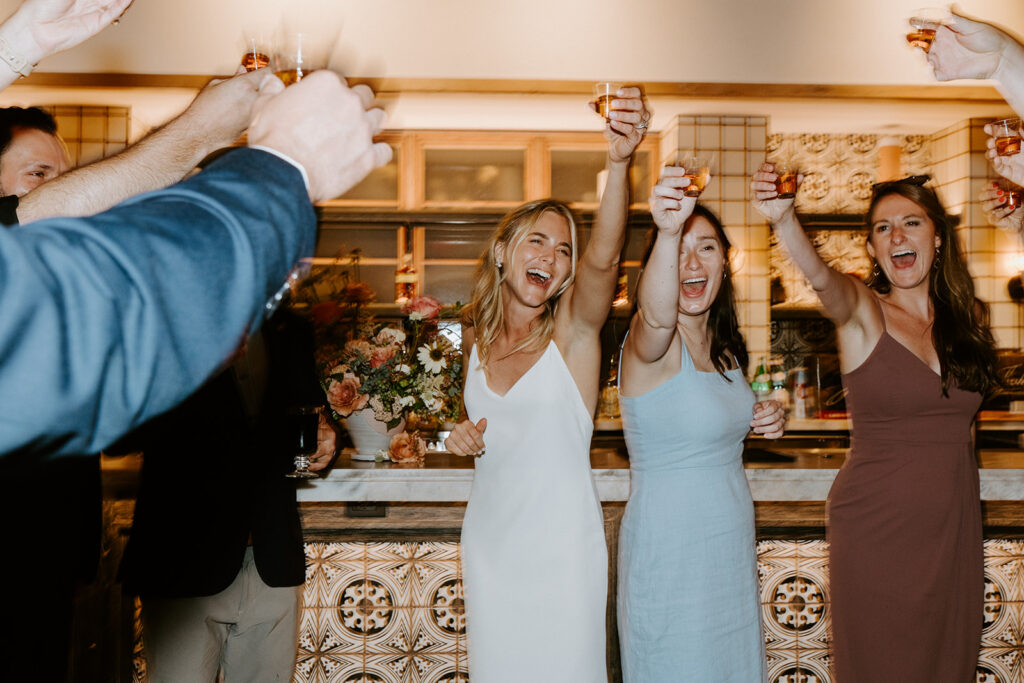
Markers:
point(487, 382)
point(907, 349)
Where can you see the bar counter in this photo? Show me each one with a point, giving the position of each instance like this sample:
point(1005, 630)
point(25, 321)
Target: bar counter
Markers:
point(775, 474)
point(383, 591)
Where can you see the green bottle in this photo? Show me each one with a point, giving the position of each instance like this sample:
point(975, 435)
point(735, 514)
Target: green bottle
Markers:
point(762, 384)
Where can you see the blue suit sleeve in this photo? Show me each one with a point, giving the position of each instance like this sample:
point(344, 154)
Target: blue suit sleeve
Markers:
point(110, 320)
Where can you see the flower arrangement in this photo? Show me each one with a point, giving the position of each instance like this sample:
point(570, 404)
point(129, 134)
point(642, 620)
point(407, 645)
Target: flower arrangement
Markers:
point(399, 369)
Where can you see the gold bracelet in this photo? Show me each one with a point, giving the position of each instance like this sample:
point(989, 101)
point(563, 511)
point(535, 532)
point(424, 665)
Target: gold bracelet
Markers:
point(17, 63)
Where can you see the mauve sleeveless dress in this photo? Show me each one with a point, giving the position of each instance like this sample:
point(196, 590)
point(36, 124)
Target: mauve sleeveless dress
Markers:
point(904, 514)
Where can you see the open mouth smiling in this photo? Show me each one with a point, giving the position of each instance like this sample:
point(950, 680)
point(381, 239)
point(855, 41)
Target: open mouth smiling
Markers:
point(904, 258)
point(538, 277)
point(694, 286)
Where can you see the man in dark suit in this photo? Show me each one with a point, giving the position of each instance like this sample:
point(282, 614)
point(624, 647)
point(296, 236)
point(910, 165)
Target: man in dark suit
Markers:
point(215, 552)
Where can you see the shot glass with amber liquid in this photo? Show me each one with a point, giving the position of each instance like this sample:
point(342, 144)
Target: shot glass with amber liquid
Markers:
point(697, 169)
point(785, 180)
point(923, 25)
point(299, 54)
point(257, 47)
point(1013, 195)
point(604, 93)
point(1007, 135)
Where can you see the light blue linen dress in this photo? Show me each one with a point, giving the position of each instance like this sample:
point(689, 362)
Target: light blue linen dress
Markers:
point(688, 605)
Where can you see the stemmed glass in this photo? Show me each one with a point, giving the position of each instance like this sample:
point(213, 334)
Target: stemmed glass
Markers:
point(304, 424)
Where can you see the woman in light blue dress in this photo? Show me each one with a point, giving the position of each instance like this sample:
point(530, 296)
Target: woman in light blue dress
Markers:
point(688, 599)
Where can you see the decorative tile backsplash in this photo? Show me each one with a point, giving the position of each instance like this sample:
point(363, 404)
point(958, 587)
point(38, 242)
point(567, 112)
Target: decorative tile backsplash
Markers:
point(393, 613)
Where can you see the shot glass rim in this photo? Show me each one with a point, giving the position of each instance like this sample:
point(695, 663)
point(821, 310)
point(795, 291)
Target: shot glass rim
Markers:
point(997, 122)
point(598, 93)
point(928, 17)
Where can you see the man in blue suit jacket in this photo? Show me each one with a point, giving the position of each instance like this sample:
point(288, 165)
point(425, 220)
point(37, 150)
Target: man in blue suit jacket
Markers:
point(110, 320)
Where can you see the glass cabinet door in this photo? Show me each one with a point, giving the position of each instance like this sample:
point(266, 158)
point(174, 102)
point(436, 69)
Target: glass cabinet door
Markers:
point(461, 176)
point(375, 247)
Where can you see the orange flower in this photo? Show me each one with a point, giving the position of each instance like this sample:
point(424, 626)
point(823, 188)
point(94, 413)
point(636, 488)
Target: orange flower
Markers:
point(345, 397)
point(407, 449)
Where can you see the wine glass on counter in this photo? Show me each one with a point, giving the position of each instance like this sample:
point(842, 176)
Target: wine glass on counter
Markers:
point(303, 426)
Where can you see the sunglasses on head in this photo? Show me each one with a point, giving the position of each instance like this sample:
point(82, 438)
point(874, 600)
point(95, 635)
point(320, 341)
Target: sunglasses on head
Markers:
point(909, 180)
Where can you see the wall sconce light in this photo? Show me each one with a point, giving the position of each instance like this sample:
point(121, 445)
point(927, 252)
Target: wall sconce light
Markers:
point(1015, 286)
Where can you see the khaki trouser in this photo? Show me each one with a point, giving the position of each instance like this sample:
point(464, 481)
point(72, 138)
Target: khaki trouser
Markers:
point(248, 632)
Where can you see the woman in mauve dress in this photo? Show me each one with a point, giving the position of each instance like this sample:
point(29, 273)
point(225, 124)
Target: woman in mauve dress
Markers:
point(904, 514)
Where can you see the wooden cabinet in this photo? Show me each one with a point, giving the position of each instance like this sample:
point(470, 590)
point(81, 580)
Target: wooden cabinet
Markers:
point(444, 191)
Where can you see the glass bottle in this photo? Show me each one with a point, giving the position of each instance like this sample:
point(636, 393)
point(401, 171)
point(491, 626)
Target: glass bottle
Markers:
point(609, 403)
point(621, 289)
point(762, 384)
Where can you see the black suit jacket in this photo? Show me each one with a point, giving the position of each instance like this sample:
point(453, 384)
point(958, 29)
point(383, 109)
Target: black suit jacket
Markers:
point(213, 474)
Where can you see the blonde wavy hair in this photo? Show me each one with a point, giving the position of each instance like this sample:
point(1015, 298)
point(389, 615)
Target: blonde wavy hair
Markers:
point(485, 312)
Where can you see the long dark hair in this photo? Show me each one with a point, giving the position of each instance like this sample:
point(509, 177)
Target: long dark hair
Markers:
point(960, 332)
point(727, 342)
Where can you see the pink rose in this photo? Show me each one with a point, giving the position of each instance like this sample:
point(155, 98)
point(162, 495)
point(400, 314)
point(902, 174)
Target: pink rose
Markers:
point(381, 355)
point(345, 397)
point(422, 308)
point(360, 346)
point(407, 449)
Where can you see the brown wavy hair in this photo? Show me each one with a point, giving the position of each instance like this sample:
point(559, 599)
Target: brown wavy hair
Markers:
point(727, 341)
point(485, 311)
point(960, 331)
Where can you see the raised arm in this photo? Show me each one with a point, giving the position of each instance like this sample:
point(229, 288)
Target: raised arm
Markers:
point(965, 48)
point(40, 28)
point(215, 119)
point(654, 325)
point(597, 270)
point(112, 319)
point(838, 293)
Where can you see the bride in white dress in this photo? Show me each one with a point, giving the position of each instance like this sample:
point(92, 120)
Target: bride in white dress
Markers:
point(534, 560)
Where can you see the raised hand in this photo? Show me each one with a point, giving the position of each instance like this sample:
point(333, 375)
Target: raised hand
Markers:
point(964, 48)
point(769, 419)
point(41, 28)
point(324, 125)
point(669, 206)
point(993, 203)
point(1010, 167)
point(627, 124)
point(467, 438)
point(766, 198)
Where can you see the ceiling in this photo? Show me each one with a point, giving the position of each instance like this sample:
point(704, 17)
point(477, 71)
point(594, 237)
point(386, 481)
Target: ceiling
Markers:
point(766, 52)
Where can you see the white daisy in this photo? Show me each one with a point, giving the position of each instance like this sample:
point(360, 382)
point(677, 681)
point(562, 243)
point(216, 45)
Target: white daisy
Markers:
point(432, 357)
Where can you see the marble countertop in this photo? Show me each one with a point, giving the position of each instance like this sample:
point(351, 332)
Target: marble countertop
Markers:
point(775, 474)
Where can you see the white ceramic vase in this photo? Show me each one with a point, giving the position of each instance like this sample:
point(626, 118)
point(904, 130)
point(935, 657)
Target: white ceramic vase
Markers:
point(369, 434)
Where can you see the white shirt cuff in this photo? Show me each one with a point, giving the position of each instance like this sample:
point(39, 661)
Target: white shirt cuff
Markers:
point(285, 157)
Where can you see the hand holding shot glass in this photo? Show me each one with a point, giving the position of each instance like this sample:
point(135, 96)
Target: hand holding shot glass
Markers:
point(1004, 146)
point(1001, 201)
point(625, 100)
point(696, 169)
